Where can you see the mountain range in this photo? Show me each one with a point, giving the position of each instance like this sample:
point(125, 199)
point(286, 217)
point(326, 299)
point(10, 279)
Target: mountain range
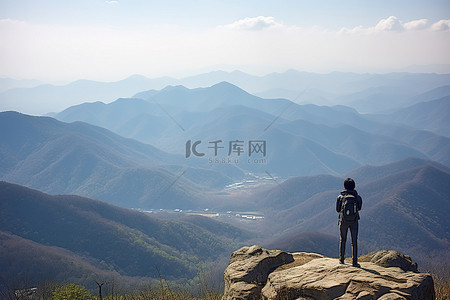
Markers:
point(404, 208)
point(302, 87)
point(334, 134)
point(78, 158)
point(63, 238)
point(214, 145)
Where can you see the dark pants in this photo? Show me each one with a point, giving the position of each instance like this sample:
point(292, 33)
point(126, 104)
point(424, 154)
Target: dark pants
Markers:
point(343, 227)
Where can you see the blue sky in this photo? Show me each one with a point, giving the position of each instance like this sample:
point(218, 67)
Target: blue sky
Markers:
point(207, 13)
point(110, 40)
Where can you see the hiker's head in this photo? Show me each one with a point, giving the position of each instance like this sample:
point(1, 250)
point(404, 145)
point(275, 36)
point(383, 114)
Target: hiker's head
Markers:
point(349, 184)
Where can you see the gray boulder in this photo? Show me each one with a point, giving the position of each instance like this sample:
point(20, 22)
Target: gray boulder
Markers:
point(391, 258)
point(248, 270)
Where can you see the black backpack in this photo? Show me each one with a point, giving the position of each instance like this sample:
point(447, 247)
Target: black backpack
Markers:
point(349, 208)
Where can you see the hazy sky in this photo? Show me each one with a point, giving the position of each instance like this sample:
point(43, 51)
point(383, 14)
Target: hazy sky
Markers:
point(110, 40)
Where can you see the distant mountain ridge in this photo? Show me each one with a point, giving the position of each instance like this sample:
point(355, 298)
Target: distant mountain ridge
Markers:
point(301, 140)
point(9, 83)
point(342, 138)
point(44, 99)
point(430, 115)
point(78, 158)
point(48, 98)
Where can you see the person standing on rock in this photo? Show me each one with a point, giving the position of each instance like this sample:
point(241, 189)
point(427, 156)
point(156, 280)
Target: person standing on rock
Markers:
point(348, 205)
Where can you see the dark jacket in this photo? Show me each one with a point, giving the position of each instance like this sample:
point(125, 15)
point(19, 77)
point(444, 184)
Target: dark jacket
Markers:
point(339, 201)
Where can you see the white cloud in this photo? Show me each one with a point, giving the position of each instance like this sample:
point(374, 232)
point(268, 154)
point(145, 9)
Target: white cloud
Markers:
point(257, 23)
point(111, 1)
point(416, 24)
point(393, 24)
point(441, 25)
point(390, 24)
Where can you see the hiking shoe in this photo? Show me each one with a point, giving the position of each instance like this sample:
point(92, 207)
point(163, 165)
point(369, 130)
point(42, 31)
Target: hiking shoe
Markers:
point(356, 265)
point(341, 261)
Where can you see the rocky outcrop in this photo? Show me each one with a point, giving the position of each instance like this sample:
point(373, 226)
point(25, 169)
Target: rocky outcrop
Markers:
point(325, 278)
point(248, 269)
point(391, 258)
point(257, 273)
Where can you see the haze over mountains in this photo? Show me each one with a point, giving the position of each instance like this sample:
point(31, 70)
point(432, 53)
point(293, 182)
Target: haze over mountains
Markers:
point(430, 115)
point(284, 160)
point(226, 112)
point(8, 84)
point(359, 90)
point(300, 140)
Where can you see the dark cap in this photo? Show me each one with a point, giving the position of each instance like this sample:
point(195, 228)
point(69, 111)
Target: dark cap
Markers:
point(349, 184)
